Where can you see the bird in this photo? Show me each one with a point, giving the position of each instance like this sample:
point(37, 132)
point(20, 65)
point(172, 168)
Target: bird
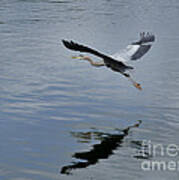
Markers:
point(117, 61)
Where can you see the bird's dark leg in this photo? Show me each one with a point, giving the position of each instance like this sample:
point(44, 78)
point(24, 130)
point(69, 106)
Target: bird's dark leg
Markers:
point(126, 75)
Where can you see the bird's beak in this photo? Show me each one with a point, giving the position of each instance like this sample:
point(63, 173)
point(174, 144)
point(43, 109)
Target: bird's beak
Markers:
point(138, 86)
point(77, 57)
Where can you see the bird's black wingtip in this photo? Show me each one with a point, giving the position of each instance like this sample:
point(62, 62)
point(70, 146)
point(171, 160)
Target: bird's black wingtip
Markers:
point(69, 44)
point(65, 43)
point(145, 37)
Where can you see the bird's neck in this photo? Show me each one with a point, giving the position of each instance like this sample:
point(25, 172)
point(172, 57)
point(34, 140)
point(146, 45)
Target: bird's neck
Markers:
point(96, 64)
point(90, 61)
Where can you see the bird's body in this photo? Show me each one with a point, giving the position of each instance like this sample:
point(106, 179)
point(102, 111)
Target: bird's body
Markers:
point(117, 61)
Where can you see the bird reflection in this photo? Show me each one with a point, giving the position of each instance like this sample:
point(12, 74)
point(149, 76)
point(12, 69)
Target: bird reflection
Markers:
point(108, 143)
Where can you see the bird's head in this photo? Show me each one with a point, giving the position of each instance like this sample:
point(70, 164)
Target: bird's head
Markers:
point(81, 57)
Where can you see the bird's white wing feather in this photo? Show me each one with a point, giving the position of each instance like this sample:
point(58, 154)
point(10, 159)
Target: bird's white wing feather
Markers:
point(137, 49)
point(127, 53)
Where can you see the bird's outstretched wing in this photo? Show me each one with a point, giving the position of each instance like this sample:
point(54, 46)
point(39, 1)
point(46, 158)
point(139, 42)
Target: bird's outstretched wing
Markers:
point(137, 49)
point(109, 61)
point(78, 47)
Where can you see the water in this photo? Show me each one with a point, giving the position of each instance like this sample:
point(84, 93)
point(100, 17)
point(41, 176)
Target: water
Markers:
point(54, 107)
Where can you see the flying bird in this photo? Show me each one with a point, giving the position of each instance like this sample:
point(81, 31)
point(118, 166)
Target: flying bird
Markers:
point(116, 62)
